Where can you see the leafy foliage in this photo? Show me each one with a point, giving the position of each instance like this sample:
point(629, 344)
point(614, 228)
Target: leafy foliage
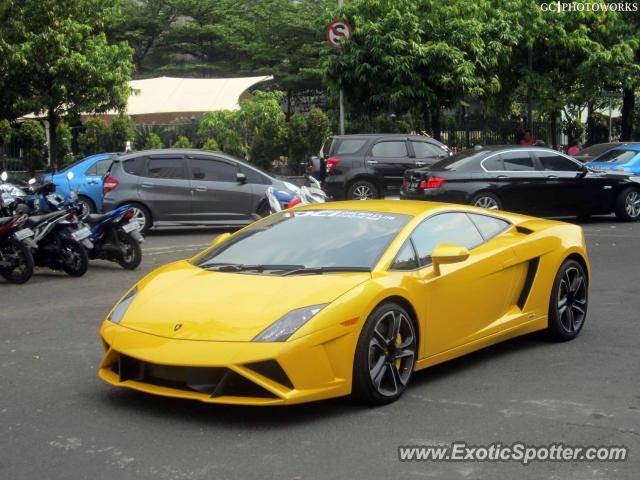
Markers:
point(122, 131)
point(153, 141)
point(182, 142)
point(96, 137)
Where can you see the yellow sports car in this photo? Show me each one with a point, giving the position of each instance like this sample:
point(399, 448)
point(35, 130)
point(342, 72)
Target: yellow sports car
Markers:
point(344, 298)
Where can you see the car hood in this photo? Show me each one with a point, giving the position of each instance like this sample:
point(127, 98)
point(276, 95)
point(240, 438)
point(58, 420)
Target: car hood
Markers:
point(223, 306)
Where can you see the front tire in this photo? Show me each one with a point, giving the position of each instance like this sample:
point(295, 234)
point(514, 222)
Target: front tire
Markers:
point(628, 205)
point(74, 258)
point(385, 355)
point(23, 259)
point(362, 190)
point(130, 260)
point(569, 302)
point(487, 200)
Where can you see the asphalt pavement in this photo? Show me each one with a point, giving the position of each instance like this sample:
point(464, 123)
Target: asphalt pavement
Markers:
point(59, 421)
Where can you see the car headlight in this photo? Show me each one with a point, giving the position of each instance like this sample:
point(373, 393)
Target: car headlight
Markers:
point(291, 187)
point(282, 329)
point(118, 313)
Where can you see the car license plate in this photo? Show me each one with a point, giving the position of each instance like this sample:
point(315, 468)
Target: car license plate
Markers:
point(131, 226)
point(24, 233)
point(81, 234)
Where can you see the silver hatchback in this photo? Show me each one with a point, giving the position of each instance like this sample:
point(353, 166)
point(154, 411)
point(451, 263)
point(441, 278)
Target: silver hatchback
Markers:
point(189, 187)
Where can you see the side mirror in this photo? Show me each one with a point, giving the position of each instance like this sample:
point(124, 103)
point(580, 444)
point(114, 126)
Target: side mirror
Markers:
point(446, 253)
point(70, 175)
point(32, 181)
point(241, 178)
point(4, 176)
point(219, 239)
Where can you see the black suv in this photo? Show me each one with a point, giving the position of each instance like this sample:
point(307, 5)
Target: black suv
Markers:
point(363, 167)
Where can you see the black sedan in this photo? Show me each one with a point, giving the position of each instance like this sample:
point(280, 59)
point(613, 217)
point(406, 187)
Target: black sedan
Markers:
point(535, 181)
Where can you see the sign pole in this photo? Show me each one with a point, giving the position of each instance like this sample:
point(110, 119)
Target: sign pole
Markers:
point(341, 6)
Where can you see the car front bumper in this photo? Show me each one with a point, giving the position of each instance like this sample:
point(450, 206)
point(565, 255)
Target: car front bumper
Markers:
point(314, 367)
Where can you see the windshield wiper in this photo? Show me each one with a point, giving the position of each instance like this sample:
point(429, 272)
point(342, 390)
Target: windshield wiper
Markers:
point(321, 270)
point(239, 267)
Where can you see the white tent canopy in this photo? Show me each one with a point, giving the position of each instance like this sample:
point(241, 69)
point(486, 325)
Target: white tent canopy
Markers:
point(167, 94)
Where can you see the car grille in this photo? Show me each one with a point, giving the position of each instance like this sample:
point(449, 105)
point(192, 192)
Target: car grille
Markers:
point(214, 381)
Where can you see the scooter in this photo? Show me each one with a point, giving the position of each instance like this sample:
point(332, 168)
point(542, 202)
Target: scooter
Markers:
point(16, 242)
point(312, 193)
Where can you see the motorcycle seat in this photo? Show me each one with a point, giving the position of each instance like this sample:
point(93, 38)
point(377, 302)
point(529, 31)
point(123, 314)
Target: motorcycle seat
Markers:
point(34, 220)
point(95, 218)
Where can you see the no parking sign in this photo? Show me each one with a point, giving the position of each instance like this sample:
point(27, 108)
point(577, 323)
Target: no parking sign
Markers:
point(336, 31)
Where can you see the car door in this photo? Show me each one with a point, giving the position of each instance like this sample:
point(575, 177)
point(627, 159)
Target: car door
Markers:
point(93, 177)
point(565, 190)
point(388, 159)
point(425, 153)
point(468, 300)
point(217, 193)
point(166, 188)
point(517, 182)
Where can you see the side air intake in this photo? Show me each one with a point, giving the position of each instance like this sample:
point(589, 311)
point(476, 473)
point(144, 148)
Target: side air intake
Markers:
point(528, 282)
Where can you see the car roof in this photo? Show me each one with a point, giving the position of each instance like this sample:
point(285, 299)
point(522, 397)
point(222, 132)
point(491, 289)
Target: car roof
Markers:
point(375, 135)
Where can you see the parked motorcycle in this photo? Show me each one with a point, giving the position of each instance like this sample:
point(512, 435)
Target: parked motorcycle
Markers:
point(60, 236)
point(307, 194)
point(16, 260)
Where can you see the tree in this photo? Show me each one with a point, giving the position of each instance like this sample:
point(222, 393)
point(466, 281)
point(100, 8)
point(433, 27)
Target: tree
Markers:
point(420, 56)
point(297, 138)
point(319, 129)
point(64, 141)
point(142, 23)
point(31, 135)
point(67, 63)
point(153, 142)
point(122, 131)
point(210, 145)
point(182, 142)
point(223, 126)
point(6, 131)
point(96, 137)
point(263, 125)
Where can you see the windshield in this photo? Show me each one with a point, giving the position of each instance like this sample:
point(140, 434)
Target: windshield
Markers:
point(616, 156)
point(311, 238)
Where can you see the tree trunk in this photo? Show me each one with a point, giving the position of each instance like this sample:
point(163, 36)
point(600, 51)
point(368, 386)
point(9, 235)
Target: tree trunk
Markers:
point(53, 139)
point(435, 122)
point(591, 124)
point(628, 105)
point(554, 130)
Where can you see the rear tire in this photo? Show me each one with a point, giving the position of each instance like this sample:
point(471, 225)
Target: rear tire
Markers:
point(385, 356)
point(74, 257)
point(569, 302)
point(131, 260)
point(22, 255)
point(628, 205)
point(487, 200)
point(142, 215)
point(86, 205)
point(362, 190)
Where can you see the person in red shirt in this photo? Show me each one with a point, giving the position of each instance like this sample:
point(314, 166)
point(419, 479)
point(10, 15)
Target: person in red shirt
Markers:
point(574, 149)
point(527, 139)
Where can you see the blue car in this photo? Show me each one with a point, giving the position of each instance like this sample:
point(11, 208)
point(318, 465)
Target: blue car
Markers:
point(620, 159)
point(87, 180)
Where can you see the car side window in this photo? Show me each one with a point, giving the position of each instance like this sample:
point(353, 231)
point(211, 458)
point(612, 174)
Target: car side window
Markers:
point(455, 228)
point(102, 167)
point(488, 226)
point(254, 176)
point(493, 164)
point(134, 166)
point(92, 170)
point(173, 168)
point(212, 170)
point(517, 161)
point(406, 258)
point(347, 147)
point(392, 149)
point(557, 163)
point(427, 150)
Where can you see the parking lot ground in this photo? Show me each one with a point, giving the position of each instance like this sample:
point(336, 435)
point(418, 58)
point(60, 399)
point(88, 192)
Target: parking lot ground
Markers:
point(59, 421)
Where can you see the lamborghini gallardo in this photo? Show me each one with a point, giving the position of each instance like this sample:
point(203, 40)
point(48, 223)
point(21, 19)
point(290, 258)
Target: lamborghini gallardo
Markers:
point(344, 298)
